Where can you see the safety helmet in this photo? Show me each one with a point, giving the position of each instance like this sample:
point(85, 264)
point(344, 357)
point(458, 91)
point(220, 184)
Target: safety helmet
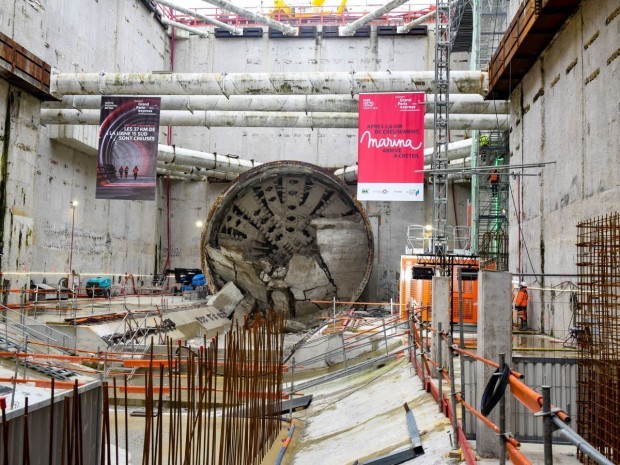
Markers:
point(523, 284)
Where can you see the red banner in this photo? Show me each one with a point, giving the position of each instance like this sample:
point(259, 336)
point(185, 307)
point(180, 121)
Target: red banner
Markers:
point(391, 146)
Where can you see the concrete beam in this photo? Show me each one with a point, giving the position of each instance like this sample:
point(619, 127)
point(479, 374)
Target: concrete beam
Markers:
point(461, 82)
point(440, 312)
point(246, 119)
point(494, 337)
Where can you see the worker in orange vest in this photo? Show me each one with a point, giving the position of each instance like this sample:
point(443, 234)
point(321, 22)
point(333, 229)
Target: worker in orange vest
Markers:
point(494, 180)
point(521, 306)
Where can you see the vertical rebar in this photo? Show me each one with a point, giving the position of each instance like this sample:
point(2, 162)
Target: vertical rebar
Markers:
point(547, 425)
point(387, 352)
point(455, 428)
point(502, 417)
point(459, 274)
point(51, 446)
point(439, 368)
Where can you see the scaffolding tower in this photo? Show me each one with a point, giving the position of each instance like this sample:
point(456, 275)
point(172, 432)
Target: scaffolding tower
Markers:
point(491, 194)
point(493, 200)
point(441, 127)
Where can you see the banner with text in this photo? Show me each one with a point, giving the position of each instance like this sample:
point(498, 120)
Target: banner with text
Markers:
point(390, 150)
point(127, 155)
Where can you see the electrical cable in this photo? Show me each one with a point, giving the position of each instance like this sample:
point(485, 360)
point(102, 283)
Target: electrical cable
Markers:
point(521, 237)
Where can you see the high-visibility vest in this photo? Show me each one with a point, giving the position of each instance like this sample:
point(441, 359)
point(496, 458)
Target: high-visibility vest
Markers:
point(521, 300)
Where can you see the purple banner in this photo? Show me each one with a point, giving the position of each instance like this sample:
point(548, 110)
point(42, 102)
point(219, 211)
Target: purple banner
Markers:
point(127, 156)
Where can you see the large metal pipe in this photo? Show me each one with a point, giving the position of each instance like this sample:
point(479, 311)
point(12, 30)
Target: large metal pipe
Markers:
point(422, 19)
point(461, 82)
point(284, 28)
point(456, 150)
point(206, 160)
point(269, 119)
point(350, 29)
point(185, 27)
point(459, 103)
point(193, 173)
point(204, 18)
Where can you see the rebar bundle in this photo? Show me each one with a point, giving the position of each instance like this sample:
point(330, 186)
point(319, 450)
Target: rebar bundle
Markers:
point(218, 404)
point(597, 331)
point(218, 412)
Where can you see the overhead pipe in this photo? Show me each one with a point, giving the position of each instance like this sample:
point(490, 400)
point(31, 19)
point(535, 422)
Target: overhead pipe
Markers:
point(206, 19)
point(320, 82)
point(193, 30)
point(422, 19)
point(459, 103)
point(456, 150)
point(176, 175)
point(350, 29)
point(200, 173)
point(284, 28)
point(248, 119)
point(206, 160)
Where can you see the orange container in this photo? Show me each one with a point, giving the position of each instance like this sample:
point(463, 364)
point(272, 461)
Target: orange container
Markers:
point(416, 287)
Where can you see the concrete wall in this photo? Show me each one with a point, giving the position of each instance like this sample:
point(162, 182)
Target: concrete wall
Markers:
point(40, 177)
point(331, 148)
point(43, 176)
point(565, 111)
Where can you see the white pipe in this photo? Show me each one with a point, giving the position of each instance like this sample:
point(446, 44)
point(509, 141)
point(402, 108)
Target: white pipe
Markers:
point(161, 170)
point(459, 103)
point(185, 27)
point(204, 18)
point(196, 171)
point(206, 160)
point(270, 119)
point(456, 150)
point(285, 28)
point(312, 83)
point(422, 19)
point(350, 29)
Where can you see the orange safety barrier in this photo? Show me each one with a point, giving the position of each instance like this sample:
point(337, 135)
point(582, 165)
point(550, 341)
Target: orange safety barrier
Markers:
point(43, 383)
point(166, 390)
point(142, 363)
point(531, 399)
point(484, 360)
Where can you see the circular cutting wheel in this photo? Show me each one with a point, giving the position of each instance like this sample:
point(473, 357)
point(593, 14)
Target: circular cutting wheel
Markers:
point(288, 233)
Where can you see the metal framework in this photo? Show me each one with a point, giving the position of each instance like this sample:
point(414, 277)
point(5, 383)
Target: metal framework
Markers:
point(441, 126)
point(597, 330)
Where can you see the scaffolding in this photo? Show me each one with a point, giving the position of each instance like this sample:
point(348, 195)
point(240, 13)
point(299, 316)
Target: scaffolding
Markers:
point(493, 200)
point(441, 126)
point(597, 331)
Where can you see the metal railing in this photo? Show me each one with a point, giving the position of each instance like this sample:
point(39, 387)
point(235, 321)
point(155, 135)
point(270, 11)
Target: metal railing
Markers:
point(24, 325)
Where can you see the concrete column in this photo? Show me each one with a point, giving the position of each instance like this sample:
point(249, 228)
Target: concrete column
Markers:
point(441, 311)
point(494, 337)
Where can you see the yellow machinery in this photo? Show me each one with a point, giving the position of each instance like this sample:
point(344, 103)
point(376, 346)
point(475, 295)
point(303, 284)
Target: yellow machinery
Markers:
point(416, 285)
point(281, 7)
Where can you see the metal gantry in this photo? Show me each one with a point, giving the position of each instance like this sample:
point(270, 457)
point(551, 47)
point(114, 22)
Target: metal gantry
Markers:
point(441, 126)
